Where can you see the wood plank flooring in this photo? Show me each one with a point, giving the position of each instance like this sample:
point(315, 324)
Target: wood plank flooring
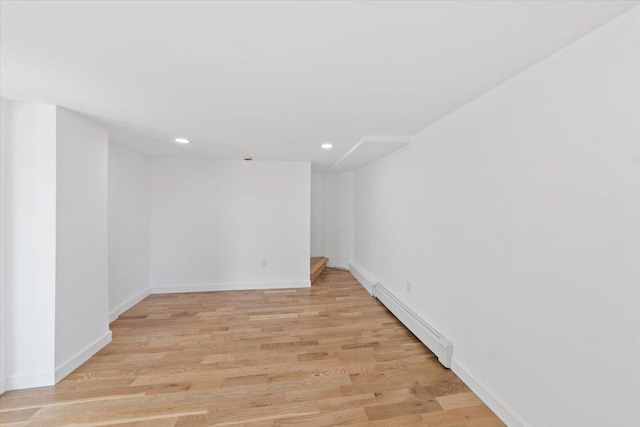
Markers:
point(329, 355)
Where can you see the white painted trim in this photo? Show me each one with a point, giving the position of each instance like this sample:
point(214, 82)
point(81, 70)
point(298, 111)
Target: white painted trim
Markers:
point(116, 312)
point(430, 337)
point(362, 277)
point(491, 399)
point(506, 413)
point(39, 379)
point(2, 385)
point(434, 340)
point(211, 287)
point(82, 356)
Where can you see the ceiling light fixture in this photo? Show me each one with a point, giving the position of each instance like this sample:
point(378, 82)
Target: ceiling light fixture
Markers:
point(182, 140)
point(326, 146)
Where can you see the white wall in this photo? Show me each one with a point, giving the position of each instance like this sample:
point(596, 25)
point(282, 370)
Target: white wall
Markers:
point(214, 222)
point(82, 309)
point(332, 217)
point(29, 243)
point(129, 227)
point(54, 259)
point(517, 218)
point(338, 219)
point(4, 140)
point(317, 214)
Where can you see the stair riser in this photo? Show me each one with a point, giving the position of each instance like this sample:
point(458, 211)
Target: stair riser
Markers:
point(318, 270)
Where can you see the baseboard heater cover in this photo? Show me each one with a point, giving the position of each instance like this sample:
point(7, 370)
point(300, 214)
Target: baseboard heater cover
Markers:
point(439, 345)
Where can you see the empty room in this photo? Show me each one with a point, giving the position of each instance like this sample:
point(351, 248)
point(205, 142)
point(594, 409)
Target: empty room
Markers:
point(320, 213)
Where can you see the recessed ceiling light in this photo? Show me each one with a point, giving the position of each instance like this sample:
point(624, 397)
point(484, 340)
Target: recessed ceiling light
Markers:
point(182, 140)
point(327, 146)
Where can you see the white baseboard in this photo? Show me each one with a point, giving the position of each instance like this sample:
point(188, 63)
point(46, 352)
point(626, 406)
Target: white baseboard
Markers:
point(82, 356)
point(210, 287)
point(361, 276)
point(39, 379)
point(430, 337)
point(434, 340)
point(42, 379)
point(497, 405)
point(491, 399)
point(113, 315)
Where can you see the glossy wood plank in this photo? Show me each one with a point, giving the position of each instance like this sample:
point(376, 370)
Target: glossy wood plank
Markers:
point(328, 355)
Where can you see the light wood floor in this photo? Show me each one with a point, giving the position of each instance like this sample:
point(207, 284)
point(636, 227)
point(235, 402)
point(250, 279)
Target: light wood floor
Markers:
point(317, 266)
point(329, 355)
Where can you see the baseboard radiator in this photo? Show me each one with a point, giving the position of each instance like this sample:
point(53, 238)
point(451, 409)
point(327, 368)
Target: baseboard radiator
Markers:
point(439, 345)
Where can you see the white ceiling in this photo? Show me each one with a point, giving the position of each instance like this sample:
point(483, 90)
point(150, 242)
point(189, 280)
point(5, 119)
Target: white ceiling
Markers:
point(368, 149)
point(275, 79)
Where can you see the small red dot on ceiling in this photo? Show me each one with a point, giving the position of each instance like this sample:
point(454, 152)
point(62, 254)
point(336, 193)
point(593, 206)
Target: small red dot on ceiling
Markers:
point(248, 158)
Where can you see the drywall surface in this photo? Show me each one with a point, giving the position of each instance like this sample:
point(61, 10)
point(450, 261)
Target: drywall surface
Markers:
point(229, 224)
point(29, 243)
point(317, 214)
point(81, 252)
point(338, 219)
point(4, 141)
point(129, 226)
point(517, 220)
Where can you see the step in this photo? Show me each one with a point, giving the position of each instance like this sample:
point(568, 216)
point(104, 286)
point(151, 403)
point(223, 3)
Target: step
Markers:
point(318, 264)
